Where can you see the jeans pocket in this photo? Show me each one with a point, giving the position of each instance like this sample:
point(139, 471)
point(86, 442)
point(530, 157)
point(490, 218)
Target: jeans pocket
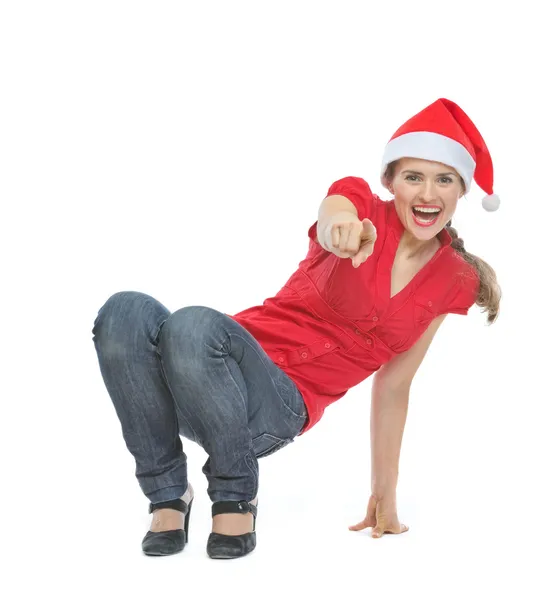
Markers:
point(291, 397)
point(266, 444)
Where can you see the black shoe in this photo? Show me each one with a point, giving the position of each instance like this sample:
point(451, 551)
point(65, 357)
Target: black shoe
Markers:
point(164, 543)
point(220, 545)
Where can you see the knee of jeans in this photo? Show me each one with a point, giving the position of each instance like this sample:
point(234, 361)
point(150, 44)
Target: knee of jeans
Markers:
point(189, 327)
point(116, 318)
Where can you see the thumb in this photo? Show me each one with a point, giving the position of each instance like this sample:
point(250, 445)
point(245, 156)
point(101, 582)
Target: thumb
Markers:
point(358, 259)
point(369, 230)
point(367, 241)
point(377, 532)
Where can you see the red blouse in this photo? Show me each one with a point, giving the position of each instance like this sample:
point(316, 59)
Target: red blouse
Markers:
point(332, 326)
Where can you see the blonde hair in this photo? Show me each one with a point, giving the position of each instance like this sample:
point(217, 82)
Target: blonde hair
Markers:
point(489, 294)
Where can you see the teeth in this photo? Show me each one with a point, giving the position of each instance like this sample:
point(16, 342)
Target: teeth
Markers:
point(427, 210)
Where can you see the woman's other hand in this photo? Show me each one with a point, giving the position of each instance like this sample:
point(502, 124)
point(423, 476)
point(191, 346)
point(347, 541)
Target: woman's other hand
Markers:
point(382, 517)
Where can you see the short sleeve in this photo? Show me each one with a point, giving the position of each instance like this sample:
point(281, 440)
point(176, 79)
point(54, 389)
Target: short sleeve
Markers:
point(357, 190)
point(465, 293)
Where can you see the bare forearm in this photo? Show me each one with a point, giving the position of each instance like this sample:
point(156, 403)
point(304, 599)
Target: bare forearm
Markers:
point(388, 413)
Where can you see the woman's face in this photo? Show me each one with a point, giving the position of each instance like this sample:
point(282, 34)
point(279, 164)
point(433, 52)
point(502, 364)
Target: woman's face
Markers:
point(428, 185)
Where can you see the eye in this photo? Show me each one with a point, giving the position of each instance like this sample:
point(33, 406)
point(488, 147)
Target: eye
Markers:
point(445, 179)
point(411, 177)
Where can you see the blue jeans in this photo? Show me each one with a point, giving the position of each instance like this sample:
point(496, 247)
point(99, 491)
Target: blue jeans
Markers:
point(200, 374)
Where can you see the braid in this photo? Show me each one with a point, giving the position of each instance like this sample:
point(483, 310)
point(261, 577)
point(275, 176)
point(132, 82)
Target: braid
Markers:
point(489, 293)
point(457, 241)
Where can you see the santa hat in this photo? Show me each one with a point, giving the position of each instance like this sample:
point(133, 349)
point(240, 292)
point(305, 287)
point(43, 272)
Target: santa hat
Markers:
point(443, 133)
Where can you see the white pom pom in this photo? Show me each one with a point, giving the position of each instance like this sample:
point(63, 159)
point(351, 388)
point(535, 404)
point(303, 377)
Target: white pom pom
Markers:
point(491, 202)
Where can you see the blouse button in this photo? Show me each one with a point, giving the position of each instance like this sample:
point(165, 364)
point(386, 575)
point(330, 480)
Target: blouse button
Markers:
point(357, 331)
point(304, 354)
point(429, 303)
point(327, 345)
point(281, 359)
point(374, 318)
point(369, 341)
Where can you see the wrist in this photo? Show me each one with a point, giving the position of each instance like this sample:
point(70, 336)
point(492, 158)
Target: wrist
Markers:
point(387, 498)
point(384, 489)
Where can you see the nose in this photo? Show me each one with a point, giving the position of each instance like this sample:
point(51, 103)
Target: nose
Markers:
point(428, 191)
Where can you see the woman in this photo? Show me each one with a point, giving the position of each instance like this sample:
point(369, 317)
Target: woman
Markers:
point(244, 386)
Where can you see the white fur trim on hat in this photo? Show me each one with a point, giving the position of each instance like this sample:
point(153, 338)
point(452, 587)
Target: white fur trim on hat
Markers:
point(431, 146)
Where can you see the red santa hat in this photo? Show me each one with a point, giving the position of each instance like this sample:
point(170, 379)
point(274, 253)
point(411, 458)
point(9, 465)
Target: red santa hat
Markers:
point(443, 133)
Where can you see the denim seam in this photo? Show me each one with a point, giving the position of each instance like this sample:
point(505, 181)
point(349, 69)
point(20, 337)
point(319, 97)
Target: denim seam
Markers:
point(268, 373)
point(244, 402)
point(250, 453)
point(250, 462)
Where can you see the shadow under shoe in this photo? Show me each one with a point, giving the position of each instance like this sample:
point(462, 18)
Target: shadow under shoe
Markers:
point(164, 543)
point(220, 545)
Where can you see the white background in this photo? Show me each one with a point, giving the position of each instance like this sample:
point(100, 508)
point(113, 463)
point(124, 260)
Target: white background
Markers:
point(182, 149)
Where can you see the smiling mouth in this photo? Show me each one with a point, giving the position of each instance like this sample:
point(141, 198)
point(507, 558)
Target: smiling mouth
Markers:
point(425, 217)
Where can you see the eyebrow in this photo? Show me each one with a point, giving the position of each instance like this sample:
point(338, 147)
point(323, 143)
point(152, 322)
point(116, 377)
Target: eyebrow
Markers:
point(419, 173)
